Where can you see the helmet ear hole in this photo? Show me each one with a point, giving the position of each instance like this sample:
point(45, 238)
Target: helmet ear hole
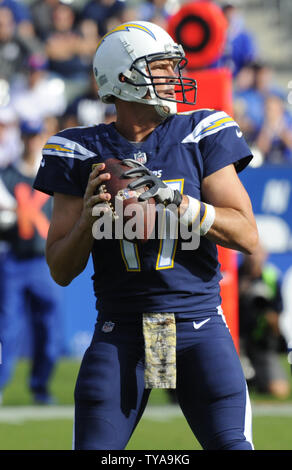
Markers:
point(122, 78)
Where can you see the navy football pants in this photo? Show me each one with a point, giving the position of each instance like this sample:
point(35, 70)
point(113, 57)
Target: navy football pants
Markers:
point(110, 397)
point(26, 286)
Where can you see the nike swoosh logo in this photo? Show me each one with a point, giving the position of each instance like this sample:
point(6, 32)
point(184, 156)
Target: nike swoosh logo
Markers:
point(239, 133)
point(201, 323)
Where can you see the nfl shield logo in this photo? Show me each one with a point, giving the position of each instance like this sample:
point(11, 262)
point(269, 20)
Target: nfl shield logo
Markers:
point(107, 327)
point(140, 157)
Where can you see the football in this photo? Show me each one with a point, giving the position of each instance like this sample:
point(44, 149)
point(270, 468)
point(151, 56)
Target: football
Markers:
point(136, 218)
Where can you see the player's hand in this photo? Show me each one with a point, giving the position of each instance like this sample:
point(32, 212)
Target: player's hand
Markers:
point(94, 194)
point(157, 188)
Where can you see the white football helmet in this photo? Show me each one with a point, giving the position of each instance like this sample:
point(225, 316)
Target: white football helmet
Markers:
point(122, 66)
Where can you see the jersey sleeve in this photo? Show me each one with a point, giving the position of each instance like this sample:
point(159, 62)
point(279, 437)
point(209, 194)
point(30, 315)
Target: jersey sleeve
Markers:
point(221, 143)
point(59, 170)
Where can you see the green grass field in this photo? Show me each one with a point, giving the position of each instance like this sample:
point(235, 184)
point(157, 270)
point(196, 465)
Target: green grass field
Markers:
point(26, 427)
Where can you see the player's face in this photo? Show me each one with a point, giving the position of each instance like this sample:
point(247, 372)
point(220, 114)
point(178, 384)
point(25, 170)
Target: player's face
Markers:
point(166, 69)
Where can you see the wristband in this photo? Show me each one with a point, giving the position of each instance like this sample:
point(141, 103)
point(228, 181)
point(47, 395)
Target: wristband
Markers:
point(198, 214)
point(207, 219)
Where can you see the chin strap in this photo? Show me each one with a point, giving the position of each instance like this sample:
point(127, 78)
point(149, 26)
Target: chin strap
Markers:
point(162, 111)
point(166, 110)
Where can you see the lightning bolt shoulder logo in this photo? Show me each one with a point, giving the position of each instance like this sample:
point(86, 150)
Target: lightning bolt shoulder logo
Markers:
point(126, 27)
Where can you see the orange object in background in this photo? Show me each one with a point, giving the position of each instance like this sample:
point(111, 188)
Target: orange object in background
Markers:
point(201, 28)
point(214, 90)
point(30, 216)
point(229, 291)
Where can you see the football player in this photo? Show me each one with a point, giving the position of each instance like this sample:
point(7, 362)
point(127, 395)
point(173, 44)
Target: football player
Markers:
point(160, 323)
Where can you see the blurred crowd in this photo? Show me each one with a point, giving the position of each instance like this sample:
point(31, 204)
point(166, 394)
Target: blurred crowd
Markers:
point(261, 338)
point(260, 108)
point(46, 50)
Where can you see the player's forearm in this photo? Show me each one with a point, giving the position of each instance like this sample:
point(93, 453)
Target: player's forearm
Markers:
point(233, 229)
point(68, 256)
point(70, 237)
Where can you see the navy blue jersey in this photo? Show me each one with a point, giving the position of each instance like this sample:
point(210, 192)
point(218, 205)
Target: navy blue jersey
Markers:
point(28, 237)
point(157, 276)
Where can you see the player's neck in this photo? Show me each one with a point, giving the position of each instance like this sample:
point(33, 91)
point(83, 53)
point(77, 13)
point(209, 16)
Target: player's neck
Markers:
point(136, 122)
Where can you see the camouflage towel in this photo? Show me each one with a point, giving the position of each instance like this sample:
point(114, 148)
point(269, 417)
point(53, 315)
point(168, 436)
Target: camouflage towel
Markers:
point(159, 331)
